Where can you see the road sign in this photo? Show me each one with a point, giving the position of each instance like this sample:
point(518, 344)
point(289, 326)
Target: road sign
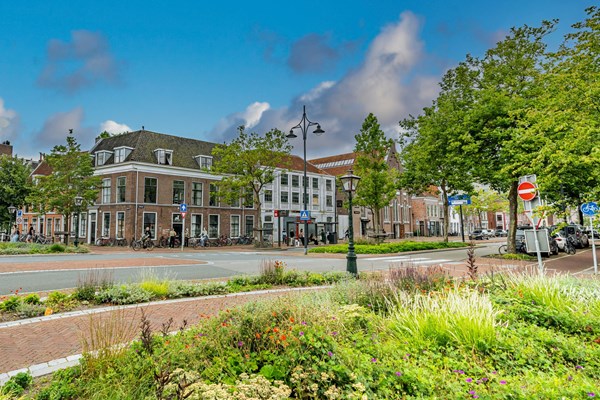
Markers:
point(276, 213)
point(282, 213)
point(183, 215)
point(19, 220)
point(589, 209)
point(527, 191)
point(19, 213)
point(304, 215)
point(183, 207)
point(459, 200)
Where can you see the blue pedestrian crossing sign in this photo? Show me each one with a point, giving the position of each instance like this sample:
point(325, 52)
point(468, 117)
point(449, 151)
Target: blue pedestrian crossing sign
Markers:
point(304, 215)
point(183, 207)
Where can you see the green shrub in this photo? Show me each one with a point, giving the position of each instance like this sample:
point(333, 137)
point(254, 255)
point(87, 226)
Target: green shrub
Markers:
point(123, 294)
point(32, 298)
point(56, 248)
point(28, 310)
point(60, 301)
point(17, 384)
point(10, 304)
point(386, 248)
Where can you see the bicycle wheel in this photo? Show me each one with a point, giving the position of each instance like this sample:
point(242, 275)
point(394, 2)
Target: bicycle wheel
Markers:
point(569, 249)
point(150, 245)
point(136, 245)
point(98, 242)
point(502, 249)
point(229, 242)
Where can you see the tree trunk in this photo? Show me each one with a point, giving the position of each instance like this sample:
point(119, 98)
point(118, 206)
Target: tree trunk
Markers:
point(512, 214)
point(446, 211)
point(67, 229)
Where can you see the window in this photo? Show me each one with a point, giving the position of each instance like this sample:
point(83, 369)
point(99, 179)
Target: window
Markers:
point(235, 202)
point(295, 198)
point(57, 225)
point(204, 162)
point(150, 221)
point(315, 201)
point(82, 225)
point(102, 157)
point(213, 199)
point(178, 192)
point(120, 224)
point(283, 179)
point(386, 214)
point(328, 185)
point(329, 200)
point(196, 193)
point(249, 199)
point(149, 190)
point(295, 181)
point(268, 196)
point(234, 230)
point(106, 191)
point(106, 224)
point(49, 226)
point(249, 226)
point(121, 185)
point(285, 197)
point(196, 225)
point(164, 157)
point(121, 153)
point(315, 183)
point(213, 226)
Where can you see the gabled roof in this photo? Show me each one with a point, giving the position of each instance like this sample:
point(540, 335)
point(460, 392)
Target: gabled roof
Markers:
point(145, 142)
point(335, 165)
point(42, 168)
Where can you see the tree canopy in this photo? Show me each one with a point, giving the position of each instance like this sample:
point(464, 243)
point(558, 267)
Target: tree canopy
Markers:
point(14, 185)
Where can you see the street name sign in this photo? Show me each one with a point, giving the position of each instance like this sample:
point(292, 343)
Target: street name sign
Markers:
point(459, 200)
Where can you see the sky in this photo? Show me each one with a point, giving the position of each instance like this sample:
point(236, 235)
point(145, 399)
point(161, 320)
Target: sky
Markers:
point(200, 69)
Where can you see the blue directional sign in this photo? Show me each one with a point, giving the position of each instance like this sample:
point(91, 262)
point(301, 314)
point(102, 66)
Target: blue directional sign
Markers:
point(183, 207)
point(589, 209)
point(19, 213)
point(304, 215)
point(459, 199)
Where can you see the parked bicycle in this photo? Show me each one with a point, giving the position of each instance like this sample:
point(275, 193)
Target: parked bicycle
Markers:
point(105, 241)
point(42, 239)
point(121, 242)
point(245, 239)
point(143, 243)
point(570, 244)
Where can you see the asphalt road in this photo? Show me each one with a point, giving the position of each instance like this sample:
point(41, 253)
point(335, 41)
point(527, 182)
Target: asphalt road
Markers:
point(224, 263)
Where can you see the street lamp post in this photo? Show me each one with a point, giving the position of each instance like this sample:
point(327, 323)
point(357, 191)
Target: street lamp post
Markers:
point(303, 125)
point(350, 181)
point(78, 202)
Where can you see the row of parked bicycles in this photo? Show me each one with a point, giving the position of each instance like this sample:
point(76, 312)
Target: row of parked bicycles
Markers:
point(164, 242)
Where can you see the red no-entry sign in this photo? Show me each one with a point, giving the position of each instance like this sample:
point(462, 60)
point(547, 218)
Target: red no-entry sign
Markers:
point(527, 191)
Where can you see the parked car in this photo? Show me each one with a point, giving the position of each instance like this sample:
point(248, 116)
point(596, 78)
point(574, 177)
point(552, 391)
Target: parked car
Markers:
point(560, 238)
point(499, 232)
point(490, 233)
point(478, 234)
point(589, 233)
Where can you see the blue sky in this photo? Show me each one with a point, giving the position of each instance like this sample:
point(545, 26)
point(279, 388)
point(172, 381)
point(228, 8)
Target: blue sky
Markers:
point(200, 69)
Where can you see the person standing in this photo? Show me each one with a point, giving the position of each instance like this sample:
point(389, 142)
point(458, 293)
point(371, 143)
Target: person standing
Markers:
point(172, 235)
point(323, 237)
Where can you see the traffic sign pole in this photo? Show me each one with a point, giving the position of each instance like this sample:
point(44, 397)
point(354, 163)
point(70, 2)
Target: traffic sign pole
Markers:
point(590, 209)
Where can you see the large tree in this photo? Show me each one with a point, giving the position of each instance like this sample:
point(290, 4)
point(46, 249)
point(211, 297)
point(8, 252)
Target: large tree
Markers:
point(507, 87)
point(14, 186)
point(72, 175)
point(248, 163)
point(432, 152)
point(567, 117)
point(379, 181)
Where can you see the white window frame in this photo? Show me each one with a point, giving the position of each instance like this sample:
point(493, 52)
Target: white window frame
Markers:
point(218, 226)
point(239, 225)
point(106, 190)
point(201, 194)
point(121, 153)
point(105, 229)
point(204, 161)
point(117, 224)
point(164, 156)
point(101, 157)
point(192, 232)
point(124, 190)
point(153, 231)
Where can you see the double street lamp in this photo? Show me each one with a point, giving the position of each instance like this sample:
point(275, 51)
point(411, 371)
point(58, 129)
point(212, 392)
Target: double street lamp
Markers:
point(303, 125)
point(78, 202)
point(350, 181)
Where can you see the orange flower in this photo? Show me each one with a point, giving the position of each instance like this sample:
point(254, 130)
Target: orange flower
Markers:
point(275, 329)
point(274, 314)
point(282, 337)
point(223, 323)
point(187, 346)
point(292, 320)
point(258, 335)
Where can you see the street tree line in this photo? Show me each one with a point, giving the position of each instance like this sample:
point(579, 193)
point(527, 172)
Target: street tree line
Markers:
point(518, 110)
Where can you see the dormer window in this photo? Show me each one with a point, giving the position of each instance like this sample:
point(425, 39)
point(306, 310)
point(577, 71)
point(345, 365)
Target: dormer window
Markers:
point(102, 157)
point(204, 162)
point(121, 153)
point(164, 157)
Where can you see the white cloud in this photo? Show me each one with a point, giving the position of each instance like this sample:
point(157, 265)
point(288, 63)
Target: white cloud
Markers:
point(9, 122)
point(250, 117)
point(56, 128)
point(388, 83)
point(113, 127)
